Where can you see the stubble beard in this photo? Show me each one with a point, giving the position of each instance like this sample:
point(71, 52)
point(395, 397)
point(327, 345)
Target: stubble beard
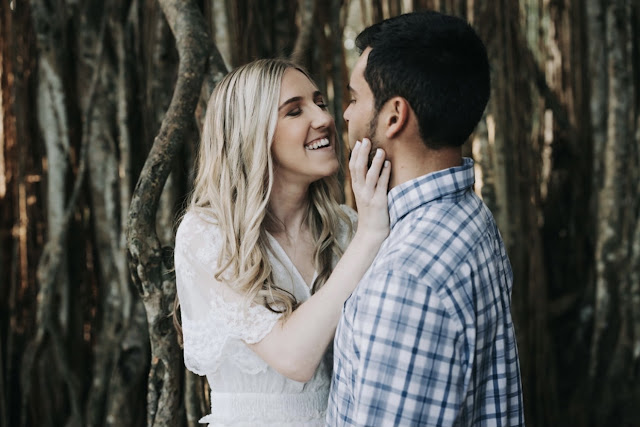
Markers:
point(371, 131)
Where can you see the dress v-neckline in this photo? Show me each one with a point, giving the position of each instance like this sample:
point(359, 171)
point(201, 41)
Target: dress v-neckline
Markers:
point(284, 254)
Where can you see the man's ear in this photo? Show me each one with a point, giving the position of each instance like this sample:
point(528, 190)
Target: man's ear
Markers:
point(396, 117)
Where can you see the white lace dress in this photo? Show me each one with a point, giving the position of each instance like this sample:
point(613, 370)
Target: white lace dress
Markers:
point(245, 391)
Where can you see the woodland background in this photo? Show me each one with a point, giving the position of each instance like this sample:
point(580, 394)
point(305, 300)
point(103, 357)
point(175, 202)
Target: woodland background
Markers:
point(100, 112)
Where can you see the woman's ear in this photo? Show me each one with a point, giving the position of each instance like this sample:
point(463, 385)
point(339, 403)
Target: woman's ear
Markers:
point(396, 117)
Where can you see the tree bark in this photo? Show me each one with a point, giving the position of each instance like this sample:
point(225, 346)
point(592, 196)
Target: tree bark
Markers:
point(611, 351)
point(219, 22)
point(513, 186)
point(306, 12)
point(149, 263)
point(53, 300)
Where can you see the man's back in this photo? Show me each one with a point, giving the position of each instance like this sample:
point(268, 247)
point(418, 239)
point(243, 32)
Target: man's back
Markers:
point(427, 337)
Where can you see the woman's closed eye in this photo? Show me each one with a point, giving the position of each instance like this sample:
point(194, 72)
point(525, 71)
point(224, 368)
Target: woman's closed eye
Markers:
point(319, 100)
point(295, 112)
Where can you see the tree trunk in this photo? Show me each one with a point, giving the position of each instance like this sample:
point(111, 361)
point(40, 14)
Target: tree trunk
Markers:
point(149, 262)
point(49, 346)
point(513, 185)
point(614, 381)
point(306, 12)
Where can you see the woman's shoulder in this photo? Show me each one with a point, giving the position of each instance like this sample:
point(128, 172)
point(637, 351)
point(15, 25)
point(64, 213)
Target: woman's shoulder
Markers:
point(197, 226)
point(197, 221)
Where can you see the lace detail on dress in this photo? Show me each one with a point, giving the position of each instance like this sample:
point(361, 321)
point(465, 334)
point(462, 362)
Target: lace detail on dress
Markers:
point(213, 315)
point(248, 323)
point(220, 335)
point(217, 325)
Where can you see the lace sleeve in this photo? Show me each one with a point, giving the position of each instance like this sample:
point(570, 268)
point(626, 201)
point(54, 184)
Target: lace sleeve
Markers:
point(212, 314)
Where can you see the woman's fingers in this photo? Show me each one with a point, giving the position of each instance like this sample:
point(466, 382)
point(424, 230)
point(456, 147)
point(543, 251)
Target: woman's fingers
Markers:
point(357, 162)
point(369, 184)
point(376, 166)
point(367, 178)
point(383, 180)
point(353, 155)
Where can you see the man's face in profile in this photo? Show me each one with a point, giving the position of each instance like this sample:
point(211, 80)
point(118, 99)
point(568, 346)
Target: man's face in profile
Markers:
point(360, 115)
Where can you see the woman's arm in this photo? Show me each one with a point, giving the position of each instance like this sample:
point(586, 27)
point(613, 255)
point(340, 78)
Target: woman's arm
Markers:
point(295, 345)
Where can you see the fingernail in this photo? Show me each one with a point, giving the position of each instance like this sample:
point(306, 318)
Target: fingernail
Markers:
point(357, 144)
point(387, 163)
point(365, 141)
point(379, 152)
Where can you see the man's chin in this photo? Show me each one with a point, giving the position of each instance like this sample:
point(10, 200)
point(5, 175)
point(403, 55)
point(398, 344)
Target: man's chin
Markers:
point(353, 140)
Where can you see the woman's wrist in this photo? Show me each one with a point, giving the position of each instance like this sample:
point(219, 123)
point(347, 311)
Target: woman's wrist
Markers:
point(370, 237)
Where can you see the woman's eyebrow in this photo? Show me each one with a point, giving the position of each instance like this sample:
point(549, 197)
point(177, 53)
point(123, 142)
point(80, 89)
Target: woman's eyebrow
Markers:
point(289, 101)
point(316, 94)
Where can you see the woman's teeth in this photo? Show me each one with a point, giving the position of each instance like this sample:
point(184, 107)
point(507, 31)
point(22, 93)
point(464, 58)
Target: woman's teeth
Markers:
point(324, 142)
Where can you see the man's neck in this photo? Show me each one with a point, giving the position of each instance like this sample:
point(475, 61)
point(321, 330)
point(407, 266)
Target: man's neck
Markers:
point(411, 161)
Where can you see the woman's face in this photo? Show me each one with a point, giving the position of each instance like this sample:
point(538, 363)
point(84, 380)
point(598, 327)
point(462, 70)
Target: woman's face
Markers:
point(304, 145)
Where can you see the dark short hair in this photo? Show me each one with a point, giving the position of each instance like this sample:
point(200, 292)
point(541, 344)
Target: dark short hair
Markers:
point(438, 64)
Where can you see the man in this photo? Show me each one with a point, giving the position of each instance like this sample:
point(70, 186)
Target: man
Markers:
point(427, 338)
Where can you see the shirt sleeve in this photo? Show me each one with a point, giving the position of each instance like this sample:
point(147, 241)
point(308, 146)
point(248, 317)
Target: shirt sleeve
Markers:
point(411, 367)
point(211, 312)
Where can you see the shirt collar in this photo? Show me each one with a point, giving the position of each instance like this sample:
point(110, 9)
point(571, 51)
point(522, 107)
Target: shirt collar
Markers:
point(409, 195)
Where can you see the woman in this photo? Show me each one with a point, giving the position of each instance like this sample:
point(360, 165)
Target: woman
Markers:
point(261, 235)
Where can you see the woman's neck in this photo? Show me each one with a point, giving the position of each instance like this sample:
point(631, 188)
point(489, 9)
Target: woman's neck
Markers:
point(289, 204)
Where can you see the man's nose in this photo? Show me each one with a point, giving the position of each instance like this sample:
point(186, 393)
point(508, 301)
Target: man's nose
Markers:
point(345, 115)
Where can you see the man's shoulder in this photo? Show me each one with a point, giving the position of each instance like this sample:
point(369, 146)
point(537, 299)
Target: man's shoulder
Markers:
point(433, 239)
point(443, 220)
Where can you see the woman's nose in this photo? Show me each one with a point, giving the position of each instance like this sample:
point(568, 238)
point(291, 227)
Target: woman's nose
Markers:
point(322, 118)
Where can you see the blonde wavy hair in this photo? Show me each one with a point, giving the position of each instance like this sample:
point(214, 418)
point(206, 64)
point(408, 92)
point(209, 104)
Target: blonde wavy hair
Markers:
point(235, 172)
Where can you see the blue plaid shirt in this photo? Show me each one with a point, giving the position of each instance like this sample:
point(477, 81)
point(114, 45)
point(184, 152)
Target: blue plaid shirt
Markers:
point(427, 338)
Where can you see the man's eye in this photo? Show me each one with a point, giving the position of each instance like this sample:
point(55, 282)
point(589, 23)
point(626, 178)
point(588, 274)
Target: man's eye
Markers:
point(322, 105)
point(352, 101)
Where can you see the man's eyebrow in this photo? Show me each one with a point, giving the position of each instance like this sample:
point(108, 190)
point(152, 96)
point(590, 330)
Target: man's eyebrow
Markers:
point(351, 89)
point(289, 101)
